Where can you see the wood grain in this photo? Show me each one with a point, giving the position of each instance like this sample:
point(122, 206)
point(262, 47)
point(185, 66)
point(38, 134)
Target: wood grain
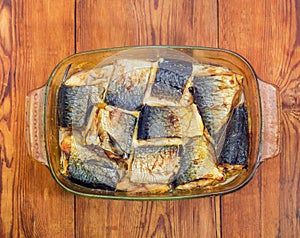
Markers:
point(267, 34)
point(241, 210)
point(36, 35)
point(103, 24)
point(112, 23)
point(8, 164)
point(43, 36)
point(289, 204)
point(102, 218)
point(283, 220)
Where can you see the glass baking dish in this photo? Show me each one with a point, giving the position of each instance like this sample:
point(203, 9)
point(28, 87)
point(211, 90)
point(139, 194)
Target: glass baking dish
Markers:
point(262, 100)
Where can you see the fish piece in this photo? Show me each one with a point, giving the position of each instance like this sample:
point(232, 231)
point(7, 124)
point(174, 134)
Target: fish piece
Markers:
point(75, 104)
point(89, 166)
point(151, 165)
point(169, 122)
point(236, 146)
point(170, 84)
point(95, 76)
point(155, 164)
point(158, 122)
point(112, 129)
point(171, 79)
point(128, 84)
point(216, 95)
point(198, 162)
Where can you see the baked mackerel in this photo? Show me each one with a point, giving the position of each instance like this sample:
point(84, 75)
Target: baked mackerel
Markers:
point(152, 125)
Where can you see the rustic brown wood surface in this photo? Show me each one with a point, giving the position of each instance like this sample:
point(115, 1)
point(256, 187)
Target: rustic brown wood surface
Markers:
point(36, 35)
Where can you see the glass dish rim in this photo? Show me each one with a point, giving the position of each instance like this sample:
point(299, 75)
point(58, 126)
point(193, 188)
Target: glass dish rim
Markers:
point(149, 198)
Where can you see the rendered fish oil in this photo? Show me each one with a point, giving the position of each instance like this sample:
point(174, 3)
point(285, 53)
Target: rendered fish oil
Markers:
point(146, 121)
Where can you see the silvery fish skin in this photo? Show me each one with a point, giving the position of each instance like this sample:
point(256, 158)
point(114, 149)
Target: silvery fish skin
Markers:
point(79, 93)
point(169, 122)
point(74, 103)
point(91, 167)
point(152, 164)
point(216, 91)
point(198, 162)
point(236, 145)
point(169, 84)
point(171, 79)
point(128, 84)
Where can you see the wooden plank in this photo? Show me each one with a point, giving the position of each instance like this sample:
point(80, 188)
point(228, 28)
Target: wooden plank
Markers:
point(8, 166)
point(106, 23)
point(280, 183)
point(146, 219)
point(267, 34)
point(112, 23)
point(270, 197)
point(288, 24)
point(289, 206)
point(241, 210)
point(34, 37)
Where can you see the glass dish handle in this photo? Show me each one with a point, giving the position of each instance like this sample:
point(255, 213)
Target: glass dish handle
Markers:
point(36, 146)
point(271, 111)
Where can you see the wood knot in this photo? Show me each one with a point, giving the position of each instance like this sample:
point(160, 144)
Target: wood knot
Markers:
point(291, 96)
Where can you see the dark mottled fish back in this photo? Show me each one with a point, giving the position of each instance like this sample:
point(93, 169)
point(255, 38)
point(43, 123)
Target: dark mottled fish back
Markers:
point(236, 146)
point(171, 79)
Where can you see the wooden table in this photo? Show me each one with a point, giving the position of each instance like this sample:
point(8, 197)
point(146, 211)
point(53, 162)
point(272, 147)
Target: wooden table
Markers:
point(36, 35)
